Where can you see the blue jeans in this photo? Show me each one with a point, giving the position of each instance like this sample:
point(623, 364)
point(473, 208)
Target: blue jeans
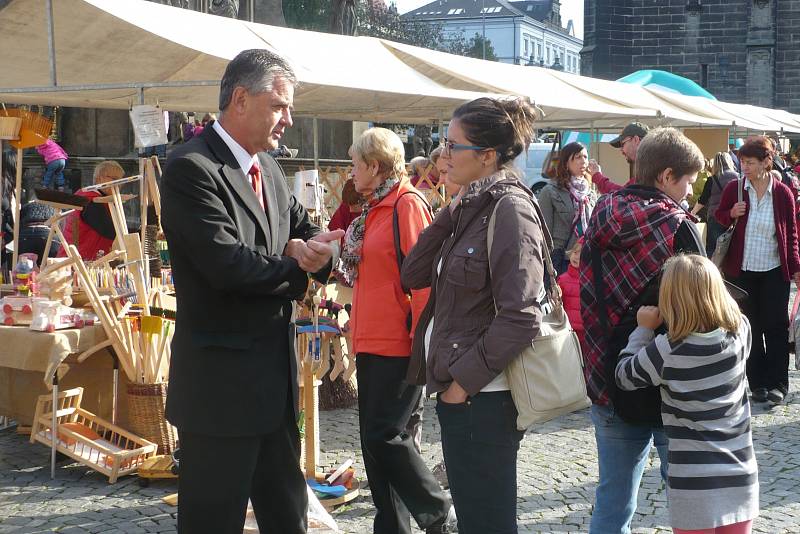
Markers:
point(480, 441)
point(55, 169)
point(622, 451)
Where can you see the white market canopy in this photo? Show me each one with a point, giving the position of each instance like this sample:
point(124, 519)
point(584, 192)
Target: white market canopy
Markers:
point(118, 53)
point(114, 54)
point(564, 105)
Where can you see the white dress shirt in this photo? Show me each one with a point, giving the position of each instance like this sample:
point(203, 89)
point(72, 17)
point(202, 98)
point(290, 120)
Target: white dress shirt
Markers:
point(760, 234)
point(243, 158)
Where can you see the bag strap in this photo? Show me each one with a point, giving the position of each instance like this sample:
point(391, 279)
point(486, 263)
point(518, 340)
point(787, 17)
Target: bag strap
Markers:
point(396, 229)
point(553, 292)
point(600, 289)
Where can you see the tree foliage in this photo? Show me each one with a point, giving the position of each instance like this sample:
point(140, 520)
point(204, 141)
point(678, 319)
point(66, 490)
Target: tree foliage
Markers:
point(375, 19)
point(473, 47)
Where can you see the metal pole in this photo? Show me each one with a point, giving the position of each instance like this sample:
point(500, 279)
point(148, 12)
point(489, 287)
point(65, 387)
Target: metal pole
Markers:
point(316, 143)
point(115, 388)
point(483, 12)
point(54, 426)
point(51, 42)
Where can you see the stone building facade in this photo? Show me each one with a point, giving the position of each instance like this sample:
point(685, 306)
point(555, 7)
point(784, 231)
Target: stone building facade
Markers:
point(745, 51)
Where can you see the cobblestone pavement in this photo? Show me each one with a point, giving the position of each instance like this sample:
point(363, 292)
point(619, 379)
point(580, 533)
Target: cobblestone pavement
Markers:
point(557, 473)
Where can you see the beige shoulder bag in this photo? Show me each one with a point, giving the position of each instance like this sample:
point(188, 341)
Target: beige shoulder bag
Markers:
point(546, 379)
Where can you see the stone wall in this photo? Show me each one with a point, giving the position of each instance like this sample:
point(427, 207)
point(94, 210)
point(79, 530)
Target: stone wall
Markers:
point(744, 51)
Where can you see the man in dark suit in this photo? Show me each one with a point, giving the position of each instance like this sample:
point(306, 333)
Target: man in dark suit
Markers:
point(241, 248)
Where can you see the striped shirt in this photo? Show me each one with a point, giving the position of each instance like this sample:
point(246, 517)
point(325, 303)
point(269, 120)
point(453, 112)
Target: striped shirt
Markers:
point(712, 473)
point(760, 240)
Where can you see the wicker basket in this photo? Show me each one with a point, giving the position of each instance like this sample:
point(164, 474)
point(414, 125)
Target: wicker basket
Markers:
point(146, 404)
point(9, 127)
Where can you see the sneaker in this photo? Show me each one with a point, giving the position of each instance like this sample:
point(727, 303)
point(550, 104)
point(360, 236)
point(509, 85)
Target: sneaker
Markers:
point(446, 525)
point(775, 396)
point(759, 395)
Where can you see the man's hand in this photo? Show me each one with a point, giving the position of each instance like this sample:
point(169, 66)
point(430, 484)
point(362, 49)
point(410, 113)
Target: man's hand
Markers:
point(454, 394)
point(594, 167)
point(314, 254)
point(738, 209)
point(797, 280)
point(649, 317)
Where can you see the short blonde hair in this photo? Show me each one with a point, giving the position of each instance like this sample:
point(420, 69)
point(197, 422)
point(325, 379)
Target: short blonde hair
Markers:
point(693, 298)
point(104, 167)
point(435, 154)
point(384, 147)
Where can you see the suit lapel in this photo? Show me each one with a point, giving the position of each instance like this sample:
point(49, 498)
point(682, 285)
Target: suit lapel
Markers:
point(237, 182)
point(271, 200)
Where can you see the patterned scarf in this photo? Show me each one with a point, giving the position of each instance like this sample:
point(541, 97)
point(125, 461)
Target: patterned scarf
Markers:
point(580, 192)
point(354, 238)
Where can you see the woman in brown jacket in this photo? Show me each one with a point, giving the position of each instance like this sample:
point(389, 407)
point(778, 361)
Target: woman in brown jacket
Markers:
point(482, 310)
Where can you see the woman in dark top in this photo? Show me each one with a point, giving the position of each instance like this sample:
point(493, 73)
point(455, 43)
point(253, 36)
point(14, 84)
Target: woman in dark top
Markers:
point(722, 173)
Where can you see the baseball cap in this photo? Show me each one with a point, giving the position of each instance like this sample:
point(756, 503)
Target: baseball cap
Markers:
point(634, 129)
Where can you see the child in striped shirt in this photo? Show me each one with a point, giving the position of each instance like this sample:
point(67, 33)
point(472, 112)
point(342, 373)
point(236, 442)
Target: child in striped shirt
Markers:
point(700, 365)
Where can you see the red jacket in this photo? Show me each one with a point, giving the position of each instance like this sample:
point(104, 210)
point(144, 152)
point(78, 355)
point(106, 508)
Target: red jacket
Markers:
point(380, 307)
point(605, 185)
point(343, 217)
point(785, 228)
point(571, 292)
point(89, 241)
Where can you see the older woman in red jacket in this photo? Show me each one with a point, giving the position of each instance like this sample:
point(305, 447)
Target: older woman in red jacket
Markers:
point(399, 480)
point(762, 259)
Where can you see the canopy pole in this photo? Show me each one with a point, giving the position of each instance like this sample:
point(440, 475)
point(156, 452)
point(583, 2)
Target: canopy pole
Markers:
point(51, 43)
point(316, 143)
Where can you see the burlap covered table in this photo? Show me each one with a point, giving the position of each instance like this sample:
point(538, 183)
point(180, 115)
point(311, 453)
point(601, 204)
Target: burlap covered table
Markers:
point(28, 360)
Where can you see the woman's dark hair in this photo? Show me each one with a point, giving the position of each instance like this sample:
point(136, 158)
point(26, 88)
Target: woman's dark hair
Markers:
point(9, 173)
point(760, 147)
point(565, 155)
point(350, 196)
point(506, 125)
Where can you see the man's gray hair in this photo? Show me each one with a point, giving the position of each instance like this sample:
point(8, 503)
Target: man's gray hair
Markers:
point(255, 70)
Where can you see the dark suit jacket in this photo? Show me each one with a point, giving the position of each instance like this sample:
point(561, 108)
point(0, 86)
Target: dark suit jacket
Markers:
point(233, 364)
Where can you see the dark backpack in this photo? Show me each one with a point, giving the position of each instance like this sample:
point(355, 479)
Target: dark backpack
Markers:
point(640, 406)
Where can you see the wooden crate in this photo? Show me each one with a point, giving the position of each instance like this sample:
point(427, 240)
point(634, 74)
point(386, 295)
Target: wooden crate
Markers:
point(116, 453)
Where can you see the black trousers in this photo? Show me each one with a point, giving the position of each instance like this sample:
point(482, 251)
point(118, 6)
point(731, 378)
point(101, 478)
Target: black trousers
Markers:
point(218, 475)
point(766, 308)
point(480, 442)
point(401, 484)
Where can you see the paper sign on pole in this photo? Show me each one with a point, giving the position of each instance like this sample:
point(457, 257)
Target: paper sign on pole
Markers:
point(307, 189)
point(149, 128)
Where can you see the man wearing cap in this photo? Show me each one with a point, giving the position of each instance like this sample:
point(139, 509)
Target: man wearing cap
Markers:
point(628, 143)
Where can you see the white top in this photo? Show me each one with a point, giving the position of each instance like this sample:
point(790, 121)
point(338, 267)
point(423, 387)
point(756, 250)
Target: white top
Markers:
point(499, 383)
point(760, 240)
point(243, 158)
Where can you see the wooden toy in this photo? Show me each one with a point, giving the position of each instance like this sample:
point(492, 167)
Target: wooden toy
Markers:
point(86, 438)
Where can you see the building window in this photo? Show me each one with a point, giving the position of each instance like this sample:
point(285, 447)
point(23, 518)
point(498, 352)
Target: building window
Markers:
point(457, 11)
point(525, 47)
point(539, 51)
point(548, 55)
point(490, 9)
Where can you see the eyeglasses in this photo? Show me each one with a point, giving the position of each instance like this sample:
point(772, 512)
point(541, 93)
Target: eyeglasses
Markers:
point(449, 147)
point(622, 143)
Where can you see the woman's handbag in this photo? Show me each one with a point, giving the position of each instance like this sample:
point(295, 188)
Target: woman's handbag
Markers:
point(725, 238)
point(550, 165)
point(546, 379)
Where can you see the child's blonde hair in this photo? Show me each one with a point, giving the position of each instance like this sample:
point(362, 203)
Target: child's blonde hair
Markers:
point(693, 298)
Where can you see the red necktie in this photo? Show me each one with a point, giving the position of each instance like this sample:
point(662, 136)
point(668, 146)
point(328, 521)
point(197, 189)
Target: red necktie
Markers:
point(255, 181)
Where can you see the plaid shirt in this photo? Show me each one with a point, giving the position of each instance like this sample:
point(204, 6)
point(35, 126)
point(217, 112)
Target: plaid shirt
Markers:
point(635, 228)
